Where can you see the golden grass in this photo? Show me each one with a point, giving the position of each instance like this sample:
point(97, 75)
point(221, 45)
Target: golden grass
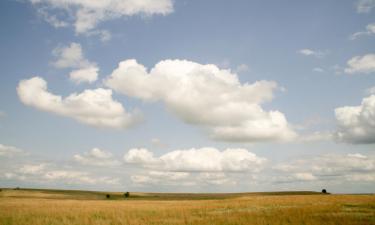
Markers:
point(16, 207)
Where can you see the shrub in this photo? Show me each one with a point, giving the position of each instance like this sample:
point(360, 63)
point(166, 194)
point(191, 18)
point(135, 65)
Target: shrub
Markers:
point(108, 196)
point(126, 195)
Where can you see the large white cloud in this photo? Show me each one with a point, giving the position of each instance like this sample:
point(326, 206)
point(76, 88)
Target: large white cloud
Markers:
point(199, 160)
point(196, 166)
point(361, 64)
point(72, 57)
point(86, 14)
point(207, 96)
point(356, 124)
point(96, 157)
point(93, 107)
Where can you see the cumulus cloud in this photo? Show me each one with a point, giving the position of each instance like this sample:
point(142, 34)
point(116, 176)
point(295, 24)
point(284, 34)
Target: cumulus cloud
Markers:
point(365, 6)
point(207, 96)
point(361, 64)
point(310, 52)
point(48, 173)
point(338, 167)
point(72, 57)
point(196, 166)
point(198, 160)
point(96, 157)
point(356, 124)
point(86, 15)
point(370, 30)
point(92, 107)
point(9, 151)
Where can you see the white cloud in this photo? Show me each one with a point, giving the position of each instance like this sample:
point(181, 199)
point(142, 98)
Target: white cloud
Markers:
point(365, 6)
point(10, 151)
point(356, 124)
point(310, 52)
point(370, 30)
point(96, 157)
point(199, 160)
point(318, 70)
point(89, 74)
point(32, 169)
point(93, 107)
point(242, 68)
point(72, 57)
point(51, 19)
point(86, 15)
point(77, 177)
point(364, 64)
point(338, 167)
point(48, 173)
point(304, 176)
point(207, 96)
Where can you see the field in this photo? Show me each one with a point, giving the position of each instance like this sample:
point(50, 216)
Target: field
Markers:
point(42, 207)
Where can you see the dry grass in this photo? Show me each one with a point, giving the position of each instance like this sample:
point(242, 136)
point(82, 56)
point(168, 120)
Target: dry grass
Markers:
point(53, 207)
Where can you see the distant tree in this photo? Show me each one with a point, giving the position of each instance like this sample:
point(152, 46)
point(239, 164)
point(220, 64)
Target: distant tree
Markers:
point(108, 196)
point(126, 195)
point(1, 190)
point(17, 188)
point(324, 191)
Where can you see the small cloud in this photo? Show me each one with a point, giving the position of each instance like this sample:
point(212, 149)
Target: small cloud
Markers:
point(72, 57)
point(310, 52)
point(370, 30)
point(318, 70)
point(365, 6)
point(242, 68)
point(96, 157)
point(361, 64)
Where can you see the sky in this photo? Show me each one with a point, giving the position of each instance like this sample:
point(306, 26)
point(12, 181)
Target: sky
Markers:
point(188, 95)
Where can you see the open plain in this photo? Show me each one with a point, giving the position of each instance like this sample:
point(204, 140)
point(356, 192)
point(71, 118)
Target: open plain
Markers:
point(47, 207)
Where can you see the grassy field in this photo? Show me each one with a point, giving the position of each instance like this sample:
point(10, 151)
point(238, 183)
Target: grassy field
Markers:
point(42, 207)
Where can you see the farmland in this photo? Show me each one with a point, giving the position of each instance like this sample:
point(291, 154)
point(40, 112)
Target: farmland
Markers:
point(42, 207)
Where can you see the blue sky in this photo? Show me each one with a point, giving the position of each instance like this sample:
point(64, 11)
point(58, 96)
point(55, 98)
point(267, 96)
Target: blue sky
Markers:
point(210, 95)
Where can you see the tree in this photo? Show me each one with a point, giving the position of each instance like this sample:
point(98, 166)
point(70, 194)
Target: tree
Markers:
point(126, 195)
point(108, 196)
point(324, 191)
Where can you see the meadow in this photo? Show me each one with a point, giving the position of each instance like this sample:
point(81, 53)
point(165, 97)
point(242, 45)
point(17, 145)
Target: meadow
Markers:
point(49, 207)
